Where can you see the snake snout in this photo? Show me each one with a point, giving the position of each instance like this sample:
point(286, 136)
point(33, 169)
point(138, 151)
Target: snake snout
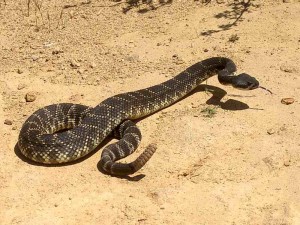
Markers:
point(245, 82)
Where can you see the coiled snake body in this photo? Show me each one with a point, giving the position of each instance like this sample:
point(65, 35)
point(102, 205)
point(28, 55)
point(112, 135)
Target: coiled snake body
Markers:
point(87, 127)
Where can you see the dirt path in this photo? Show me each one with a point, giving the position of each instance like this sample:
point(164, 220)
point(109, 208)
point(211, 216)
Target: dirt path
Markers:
point(238, 166)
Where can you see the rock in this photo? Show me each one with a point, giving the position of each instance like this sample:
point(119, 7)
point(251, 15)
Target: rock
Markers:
point(287, 101)
point(8, 122)
point(30, 97)
point(270, 131)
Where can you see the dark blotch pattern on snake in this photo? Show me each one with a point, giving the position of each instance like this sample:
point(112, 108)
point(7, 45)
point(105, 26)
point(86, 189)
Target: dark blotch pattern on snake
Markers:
point(87, 127)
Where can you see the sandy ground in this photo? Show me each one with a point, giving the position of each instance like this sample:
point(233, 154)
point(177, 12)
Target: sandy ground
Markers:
point(238, 166)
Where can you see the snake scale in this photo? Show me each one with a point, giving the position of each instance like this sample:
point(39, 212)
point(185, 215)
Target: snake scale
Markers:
point(84, 128)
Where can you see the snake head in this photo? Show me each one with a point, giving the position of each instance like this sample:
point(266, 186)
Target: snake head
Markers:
point(245, 82)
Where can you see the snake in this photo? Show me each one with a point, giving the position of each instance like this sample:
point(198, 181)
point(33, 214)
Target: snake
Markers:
point(65, 132)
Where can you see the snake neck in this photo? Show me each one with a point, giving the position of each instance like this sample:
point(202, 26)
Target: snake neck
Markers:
point(147, 101)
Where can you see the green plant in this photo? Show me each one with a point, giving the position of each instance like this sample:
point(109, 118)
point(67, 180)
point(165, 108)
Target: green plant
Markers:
point(209, 111)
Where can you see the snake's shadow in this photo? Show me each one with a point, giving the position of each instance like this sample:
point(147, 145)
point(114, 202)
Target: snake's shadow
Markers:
point(215, 99)
point(218, 94)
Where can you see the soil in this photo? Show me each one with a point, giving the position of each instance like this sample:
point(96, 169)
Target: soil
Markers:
point(222, 158)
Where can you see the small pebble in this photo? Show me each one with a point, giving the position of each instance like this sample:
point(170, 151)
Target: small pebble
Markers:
point(287, 101)
point(30, 97)
point(270, 131)
point(57, 51)
point(177, 60)
point(8, 122)
point(283, 128)
point(80, 71)
point(233, 38)
point(72, 14)
point(287, 162)
point(93, 65)
point(35, 57)
point(74, 64)
point(83, 76)
point(184, 174)
point(20, 71)
point(132, 58)
point(21, 86)
point(288, 68)
point(48, 44)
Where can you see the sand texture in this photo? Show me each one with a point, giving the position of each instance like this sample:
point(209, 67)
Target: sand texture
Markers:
point(224, 156)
